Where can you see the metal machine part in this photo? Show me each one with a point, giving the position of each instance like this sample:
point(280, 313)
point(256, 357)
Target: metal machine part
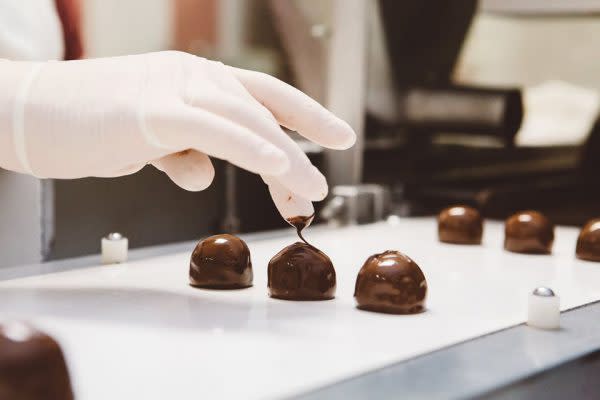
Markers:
point(431, 35)
point(543, 292)
point(463, 110)
point(356, 204)
point(528, 364)
point(457, 141)
point(114, 236)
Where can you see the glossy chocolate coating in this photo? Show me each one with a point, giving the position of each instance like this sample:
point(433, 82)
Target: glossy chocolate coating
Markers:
point(390, 282)
point(32, 366)
point(460, 225)
point(301, 272)
point(588, 243)
point(221, 262)
point(528, 232)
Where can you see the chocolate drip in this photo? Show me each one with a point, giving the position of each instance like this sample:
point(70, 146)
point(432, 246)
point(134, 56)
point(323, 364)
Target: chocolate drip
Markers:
point(301, 271)
point(300, 222)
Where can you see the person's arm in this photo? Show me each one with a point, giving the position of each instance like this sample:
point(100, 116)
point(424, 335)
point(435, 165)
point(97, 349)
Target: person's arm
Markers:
point(31, 30)
point(109, 117)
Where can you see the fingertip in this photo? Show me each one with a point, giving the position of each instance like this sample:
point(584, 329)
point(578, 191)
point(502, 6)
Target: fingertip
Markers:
point(346, 135)
point(288, 203)
point(308, 183)
point(190, 170)
point(319, 188)
point(199, 181)
point(192, 186)
point(338, 134)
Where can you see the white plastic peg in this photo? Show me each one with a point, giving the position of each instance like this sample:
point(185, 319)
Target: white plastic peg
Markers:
point(543, 309)
point(114, 248)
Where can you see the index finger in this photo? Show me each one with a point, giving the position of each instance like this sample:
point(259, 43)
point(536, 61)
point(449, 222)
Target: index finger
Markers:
point(288, 204)
point(297, 111)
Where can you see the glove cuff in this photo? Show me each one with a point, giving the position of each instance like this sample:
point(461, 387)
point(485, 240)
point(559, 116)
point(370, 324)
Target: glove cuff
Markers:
point(15, 83)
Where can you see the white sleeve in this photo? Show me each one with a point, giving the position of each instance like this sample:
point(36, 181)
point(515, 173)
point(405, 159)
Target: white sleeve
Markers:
point(30, 30)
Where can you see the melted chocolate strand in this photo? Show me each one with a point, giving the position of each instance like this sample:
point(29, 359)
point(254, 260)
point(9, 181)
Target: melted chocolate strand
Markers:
point(300, 222)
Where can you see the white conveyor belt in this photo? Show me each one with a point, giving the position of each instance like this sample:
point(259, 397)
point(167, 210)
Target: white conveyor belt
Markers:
point(137, 330)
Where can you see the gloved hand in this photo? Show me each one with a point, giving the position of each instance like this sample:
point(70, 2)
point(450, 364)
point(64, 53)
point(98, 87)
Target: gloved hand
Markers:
point(109, 117)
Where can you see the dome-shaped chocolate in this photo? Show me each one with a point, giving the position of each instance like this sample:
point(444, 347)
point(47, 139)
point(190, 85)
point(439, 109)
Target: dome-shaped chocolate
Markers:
point(221, 262)
point(460, 225)
point(391, 282)
point(528, 232)
point(301, 272)
point(588, 243)
point(32, 365)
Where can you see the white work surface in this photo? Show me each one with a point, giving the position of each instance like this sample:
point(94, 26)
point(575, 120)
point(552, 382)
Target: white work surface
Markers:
point(138, 331)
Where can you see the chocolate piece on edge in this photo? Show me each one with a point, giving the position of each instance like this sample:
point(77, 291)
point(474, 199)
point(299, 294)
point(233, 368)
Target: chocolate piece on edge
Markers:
point(32, 365)
point(588, 242)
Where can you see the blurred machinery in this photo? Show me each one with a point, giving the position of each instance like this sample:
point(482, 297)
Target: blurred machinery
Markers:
point(444, 143)
point(459, 142)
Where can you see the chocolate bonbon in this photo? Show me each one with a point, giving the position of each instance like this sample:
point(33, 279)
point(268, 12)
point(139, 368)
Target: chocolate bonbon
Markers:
point(528, 232)
point(460, 225)
point(221, 262)
point(391, 282)
point(588, 242)
point(301, 272)
point(32, 365)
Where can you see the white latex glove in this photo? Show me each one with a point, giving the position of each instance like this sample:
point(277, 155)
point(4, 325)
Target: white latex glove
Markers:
point(109, 117)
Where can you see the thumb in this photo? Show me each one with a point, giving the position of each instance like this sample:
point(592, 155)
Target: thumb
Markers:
point(190, 169)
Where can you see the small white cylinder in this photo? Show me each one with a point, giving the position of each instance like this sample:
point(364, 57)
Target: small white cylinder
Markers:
point(114, 249)
point(543, 311)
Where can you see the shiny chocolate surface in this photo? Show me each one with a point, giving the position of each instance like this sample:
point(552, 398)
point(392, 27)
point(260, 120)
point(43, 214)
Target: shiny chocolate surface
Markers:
point(32, 365)
point(391, 282)
point(301, 272)
point(460, 225)
point(221, 262)
point(588, 243)
point(528, 232)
